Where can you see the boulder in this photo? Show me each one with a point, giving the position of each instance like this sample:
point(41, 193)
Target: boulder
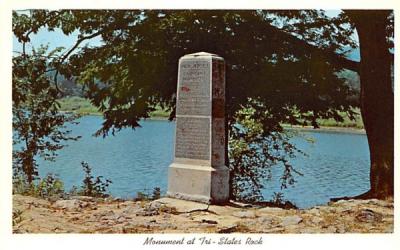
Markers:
point(70, 204)
point(245, 214)
point(82, 198)
point(368, 215)
point(291, 220)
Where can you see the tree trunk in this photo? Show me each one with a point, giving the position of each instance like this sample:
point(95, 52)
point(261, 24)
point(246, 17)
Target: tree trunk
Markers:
point(377, 99)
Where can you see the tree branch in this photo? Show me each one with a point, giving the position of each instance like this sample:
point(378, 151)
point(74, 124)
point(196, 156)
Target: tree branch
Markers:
point(68, 53)
point(333, 57)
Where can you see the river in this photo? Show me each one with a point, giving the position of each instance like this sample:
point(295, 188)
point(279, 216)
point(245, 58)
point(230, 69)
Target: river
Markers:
point(337, 163)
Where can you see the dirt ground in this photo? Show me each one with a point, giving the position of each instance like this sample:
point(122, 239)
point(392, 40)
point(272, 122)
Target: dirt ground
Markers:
point(83, 214)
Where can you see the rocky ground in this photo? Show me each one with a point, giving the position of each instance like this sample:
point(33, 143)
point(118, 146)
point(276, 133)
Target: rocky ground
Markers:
point(89, 215)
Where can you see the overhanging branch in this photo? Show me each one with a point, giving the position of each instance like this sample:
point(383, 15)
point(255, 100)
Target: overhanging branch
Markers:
point(332, 57)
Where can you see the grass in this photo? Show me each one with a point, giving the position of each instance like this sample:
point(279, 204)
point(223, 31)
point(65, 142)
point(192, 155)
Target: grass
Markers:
point(347, 123)
point(78, 105)
point(82, 106)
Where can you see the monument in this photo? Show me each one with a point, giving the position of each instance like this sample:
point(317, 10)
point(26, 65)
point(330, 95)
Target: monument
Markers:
point(198, 171)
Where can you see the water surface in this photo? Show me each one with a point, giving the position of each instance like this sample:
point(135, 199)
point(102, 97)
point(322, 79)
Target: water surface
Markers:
point(337, 163)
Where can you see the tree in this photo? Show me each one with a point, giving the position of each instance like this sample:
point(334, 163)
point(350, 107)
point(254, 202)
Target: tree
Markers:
point(375, 30)
point(135, 67)
point(38, 127)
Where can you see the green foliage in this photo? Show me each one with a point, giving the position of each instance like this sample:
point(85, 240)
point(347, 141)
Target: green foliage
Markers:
point(38, 127)
point(48, 187)
point(21, 185)
point(51, 187)
point(83, 106)
point(279, 60)
point(78, 105)
point(93, 186)
point(346, 123)
point(278, 200)
point(136, 63)
point(142, 196)
point(145, 195)
point(254, 148)
point(156, 193)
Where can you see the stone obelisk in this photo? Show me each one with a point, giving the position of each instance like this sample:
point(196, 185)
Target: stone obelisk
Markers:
point(198, 172)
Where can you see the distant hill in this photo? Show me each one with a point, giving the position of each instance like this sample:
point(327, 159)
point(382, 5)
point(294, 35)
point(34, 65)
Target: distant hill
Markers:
point(69, 87)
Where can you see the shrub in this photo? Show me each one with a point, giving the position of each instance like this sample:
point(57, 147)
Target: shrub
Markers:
point(50, 186)
point(156, 193)
point(39, 130)
point(257, 144)
point(145, 195)
point(93, 186)
point(21, 185)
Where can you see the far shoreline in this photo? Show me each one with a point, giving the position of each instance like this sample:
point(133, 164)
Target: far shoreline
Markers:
point(321, 129)
point(326, 129)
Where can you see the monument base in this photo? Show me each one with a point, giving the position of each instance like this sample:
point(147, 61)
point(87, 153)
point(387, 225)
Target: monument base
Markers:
point(204, 184)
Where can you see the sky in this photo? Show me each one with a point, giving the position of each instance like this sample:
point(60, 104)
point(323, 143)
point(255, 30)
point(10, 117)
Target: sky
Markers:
point(53, 39)
point(56, 39)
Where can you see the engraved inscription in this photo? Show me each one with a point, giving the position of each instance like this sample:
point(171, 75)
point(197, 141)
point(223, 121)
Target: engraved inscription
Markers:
point(194, 88)
point(192, 138)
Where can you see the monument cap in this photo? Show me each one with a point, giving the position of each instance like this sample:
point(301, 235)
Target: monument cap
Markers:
point(202, 54)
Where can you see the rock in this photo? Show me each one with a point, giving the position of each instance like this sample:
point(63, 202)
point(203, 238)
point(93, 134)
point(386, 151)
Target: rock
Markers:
point(207, 218)
point(315, 211)
point(121, 219)
point(316, 220)
point(341, 229)
point(368, 215)
point(108, 199)
point(240, 204)
point(227, 229)
point(82, 198)
point(154, 205)
point(388, 229)
point(209, 221)
point(206, 226)
point(340, 202)
point(245, 214)
point(380, 203)
point(258, 224)
point(331, 209)
point(371, 216)
point(119, 199)
point(291, 220)
point(331, 229)
point(307, 230)
point(148, 211)
point(107, 213)
point(271, 210)
point(165, 226)
point(181, 206)
point(265, 220)
point(131, 210)
point(70, 204)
